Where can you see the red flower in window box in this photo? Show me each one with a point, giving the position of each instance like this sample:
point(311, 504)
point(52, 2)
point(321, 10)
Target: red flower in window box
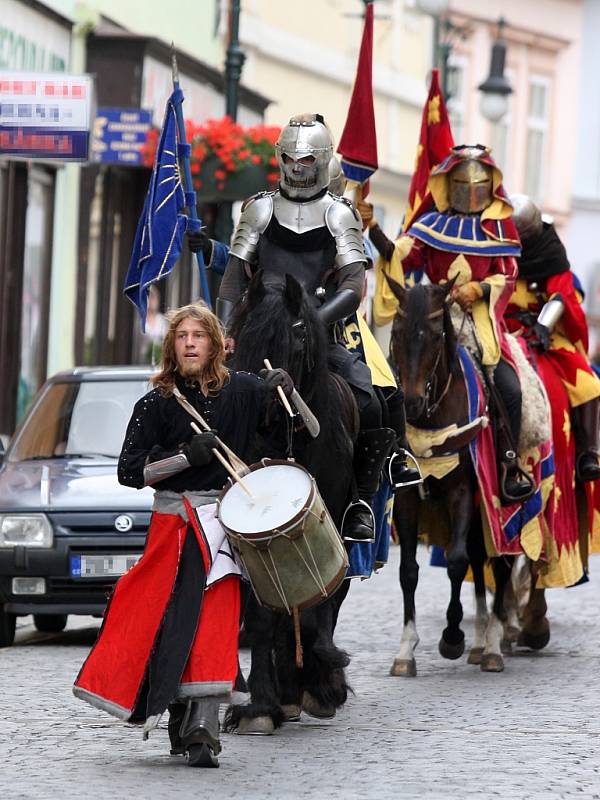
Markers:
point(226, 158)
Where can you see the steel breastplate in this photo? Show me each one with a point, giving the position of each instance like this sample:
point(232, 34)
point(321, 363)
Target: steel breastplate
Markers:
point(278, 256)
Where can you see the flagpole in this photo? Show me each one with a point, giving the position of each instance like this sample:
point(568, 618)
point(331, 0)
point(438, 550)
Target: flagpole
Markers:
point(190, 194)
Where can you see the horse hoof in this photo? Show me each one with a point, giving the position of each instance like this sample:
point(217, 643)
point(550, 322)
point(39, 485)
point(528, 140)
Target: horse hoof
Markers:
point(512, 633)
point(492, 662)
point(404, 668)
point(475, 655)
point(291, 712)
point(256, 726)
point(315, 709)
point(451, 651)
point(506, 647)
point(534, 641)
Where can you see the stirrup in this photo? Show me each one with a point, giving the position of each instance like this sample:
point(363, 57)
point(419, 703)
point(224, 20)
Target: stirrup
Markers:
point(511, 461)
point(388, 470)
point(353, 504)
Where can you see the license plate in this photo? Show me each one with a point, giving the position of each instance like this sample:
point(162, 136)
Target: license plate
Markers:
point(102, 566)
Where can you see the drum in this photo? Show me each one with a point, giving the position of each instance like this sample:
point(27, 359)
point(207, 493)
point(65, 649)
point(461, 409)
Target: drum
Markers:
point(284, 536)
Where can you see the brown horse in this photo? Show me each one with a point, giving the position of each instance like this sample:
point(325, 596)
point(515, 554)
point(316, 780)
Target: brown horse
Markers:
point(424, 350)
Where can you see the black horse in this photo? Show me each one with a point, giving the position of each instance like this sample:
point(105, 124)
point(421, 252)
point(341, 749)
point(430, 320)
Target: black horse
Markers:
point(276, 321)
point(424, 349)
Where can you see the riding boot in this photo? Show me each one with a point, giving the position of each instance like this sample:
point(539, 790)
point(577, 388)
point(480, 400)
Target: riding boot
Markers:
point(587, 439)
point(370, 454)
point(176, 714)
point(398, 471)
point(199, 732)
point(516, 485)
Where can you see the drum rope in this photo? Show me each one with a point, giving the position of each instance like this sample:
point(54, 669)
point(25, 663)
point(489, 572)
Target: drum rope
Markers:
point(277, 584)
point(314, 575)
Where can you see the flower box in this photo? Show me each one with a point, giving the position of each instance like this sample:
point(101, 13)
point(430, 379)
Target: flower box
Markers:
point(239, 185)
point(228, 162)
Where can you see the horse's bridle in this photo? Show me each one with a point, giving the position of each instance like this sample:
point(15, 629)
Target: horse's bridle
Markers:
point(431, 385)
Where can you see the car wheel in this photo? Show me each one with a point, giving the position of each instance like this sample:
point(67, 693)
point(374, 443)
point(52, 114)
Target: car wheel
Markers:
point(50, 623)
point(8, 624)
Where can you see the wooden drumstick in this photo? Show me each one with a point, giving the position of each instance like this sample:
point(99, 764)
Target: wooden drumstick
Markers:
point(227, 465)
point(280, 391)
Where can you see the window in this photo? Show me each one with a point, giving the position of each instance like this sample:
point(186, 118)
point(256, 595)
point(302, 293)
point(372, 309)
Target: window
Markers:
point(537, 128)
point(36, 280)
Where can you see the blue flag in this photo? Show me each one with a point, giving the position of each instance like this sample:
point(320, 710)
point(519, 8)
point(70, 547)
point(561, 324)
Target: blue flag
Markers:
point(159, 235)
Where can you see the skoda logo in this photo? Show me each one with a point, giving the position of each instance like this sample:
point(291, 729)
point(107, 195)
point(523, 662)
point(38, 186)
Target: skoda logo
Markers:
point(123, 523)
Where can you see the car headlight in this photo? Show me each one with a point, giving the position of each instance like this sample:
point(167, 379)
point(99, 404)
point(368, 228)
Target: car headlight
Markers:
point(25, 530)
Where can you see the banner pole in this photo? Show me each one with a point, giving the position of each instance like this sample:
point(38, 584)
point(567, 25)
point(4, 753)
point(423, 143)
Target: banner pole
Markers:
point(190, 194)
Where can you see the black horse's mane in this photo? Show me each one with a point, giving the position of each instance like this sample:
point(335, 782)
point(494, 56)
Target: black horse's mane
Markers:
point(262, 327)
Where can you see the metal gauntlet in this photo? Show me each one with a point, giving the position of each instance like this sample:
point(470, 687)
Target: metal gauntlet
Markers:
point(551, 312)
point(165, 468)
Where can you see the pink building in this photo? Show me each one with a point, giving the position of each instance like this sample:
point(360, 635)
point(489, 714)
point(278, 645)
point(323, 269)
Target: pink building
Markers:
point(535, 142)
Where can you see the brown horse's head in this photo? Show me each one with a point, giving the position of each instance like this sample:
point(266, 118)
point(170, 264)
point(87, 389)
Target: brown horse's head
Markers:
point(422, 343)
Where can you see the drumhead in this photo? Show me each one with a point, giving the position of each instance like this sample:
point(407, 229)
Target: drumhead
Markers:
point(280, 492)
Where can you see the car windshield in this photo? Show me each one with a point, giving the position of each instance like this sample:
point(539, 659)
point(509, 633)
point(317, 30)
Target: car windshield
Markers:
point(84, 419)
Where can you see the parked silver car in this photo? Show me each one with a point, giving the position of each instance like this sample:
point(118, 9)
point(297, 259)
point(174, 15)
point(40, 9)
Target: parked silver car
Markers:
point(68, 529)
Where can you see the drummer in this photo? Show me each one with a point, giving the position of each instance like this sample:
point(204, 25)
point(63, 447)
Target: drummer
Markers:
point(169, 636)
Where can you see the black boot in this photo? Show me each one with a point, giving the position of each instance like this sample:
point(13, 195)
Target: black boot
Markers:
point(398, 471)
point(370, 454)
point(587, 434)
point(176, 713)
point(199, 733)
point(516, 485)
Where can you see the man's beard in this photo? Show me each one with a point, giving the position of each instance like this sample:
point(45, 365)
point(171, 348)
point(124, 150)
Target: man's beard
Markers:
point(190, 371)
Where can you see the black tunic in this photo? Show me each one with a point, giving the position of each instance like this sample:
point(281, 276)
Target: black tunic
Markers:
point(159, 427)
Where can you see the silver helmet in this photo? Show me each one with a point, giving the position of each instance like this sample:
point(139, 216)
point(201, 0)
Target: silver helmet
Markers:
point(526, 216)
point(304, 149)
point(337, 179)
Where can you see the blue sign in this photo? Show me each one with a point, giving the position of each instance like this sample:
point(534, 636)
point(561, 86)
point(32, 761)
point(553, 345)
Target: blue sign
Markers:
point(120, 135)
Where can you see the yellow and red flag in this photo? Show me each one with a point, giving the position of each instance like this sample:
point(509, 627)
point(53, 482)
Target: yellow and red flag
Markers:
point(434, 145)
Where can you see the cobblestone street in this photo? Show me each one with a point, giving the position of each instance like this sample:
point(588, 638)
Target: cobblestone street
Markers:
point(452, 732)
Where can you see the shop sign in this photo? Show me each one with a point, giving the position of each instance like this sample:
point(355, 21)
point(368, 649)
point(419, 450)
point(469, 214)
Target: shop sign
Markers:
point(119, 135)
point(45, 115)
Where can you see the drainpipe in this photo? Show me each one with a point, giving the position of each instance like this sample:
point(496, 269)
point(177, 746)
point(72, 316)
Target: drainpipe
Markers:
point(65, 231)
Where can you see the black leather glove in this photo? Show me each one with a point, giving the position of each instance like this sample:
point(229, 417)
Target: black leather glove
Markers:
point(199, 450)
point(277, 377)
point(199, 241)
point(540, 337)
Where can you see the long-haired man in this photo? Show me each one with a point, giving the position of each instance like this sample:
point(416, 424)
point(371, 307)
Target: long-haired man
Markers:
point(169, 637)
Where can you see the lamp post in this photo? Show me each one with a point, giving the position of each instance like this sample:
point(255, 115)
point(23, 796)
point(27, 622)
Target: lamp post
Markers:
point(496, 88)
point(441, 37)
point(234, 61)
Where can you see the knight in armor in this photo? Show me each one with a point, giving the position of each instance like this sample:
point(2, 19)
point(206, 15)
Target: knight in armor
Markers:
point(303, 229)
point(464, 232)
point(545, 307)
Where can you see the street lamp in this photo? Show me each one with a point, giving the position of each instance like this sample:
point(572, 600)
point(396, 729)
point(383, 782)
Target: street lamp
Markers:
point(443, 31)
point(434, 8)
point(496, 88)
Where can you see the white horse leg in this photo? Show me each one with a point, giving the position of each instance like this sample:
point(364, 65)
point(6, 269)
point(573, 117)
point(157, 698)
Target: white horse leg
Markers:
point(481, 623)
point(512, 627)
point(404, 662)
point(492, 661)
